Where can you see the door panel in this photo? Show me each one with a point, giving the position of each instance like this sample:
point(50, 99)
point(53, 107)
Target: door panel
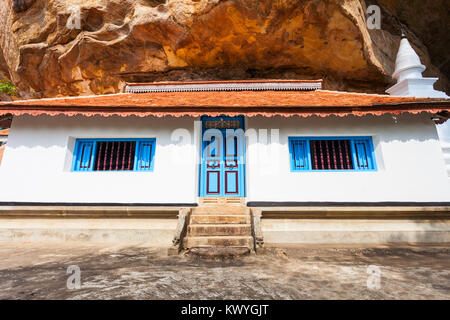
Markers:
point(213, 182)
point(231, 182)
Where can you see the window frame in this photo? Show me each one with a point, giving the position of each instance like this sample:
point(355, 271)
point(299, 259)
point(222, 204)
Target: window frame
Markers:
point(138, 141)
point(371, 157)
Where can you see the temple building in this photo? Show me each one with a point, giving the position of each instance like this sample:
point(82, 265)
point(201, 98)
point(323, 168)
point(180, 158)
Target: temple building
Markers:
point(231, 163)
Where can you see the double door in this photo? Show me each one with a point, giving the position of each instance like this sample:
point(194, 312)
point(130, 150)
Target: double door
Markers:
point(222, 172)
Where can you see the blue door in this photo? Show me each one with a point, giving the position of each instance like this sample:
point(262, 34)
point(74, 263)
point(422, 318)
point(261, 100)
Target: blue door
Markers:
point(222, 172)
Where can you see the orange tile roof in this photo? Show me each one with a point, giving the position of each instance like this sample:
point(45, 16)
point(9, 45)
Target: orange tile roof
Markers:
point(318, 98)
point(284, 103)
point(4, 132)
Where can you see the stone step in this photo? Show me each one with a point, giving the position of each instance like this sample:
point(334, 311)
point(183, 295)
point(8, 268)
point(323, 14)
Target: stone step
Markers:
point(221, 201)
point(221, 241)
point(239, 210)
point(220, 219)
point(210, 252)
point(219, 230)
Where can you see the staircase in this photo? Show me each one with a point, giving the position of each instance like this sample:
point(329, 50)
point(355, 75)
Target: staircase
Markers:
point(219, 231)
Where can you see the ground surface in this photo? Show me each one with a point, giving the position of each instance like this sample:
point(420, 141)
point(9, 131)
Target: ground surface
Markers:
point(39, 271)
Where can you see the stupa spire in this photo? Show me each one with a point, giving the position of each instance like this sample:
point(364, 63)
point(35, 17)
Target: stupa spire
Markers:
point(408, 73)
point(407, 64)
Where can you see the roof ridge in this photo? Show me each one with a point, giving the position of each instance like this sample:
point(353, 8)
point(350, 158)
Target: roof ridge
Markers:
point(228, 85)
point(225, 81)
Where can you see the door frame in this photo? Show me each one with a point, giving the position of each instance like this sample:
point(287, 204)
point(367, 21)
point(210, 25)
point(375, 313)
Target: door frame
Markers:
point(244, 155)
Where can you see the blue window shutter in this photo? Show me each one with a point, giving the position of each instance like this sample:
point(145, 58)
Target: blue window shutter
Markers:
point(332, 154)
point(84, 156)
point(364, 154)
point(299, 154)
point(144, 155)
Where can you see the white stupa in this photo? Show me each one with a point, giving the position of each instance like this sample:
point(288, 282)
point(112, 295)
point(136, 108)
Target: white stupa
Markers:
point(408, 72)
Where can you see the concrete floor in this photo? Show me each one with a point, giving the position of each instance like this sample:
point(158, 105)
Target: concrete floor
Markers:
point(114, 271)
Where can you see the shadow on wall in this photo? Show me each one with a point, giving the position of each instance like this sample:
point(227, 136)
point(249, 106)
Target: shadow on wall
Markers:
point(57, 134)
point(433, 231)
point(61, 131)
point(122, 127)
point(402, 128)
point(46, 131)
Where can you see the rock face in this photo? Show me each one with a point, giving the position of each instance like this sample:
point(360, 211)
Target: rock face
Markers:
point(22, 5)
point(47, 51)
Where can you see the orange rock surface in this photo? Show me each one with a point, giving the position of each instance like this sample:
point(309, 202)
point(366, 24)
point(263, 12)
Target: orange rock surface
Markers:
point(155, 40)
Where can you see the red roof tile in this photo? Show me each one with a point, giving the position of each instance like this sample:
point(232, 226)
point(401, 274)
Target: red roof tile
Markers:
point(284, 103)
point(4, 132)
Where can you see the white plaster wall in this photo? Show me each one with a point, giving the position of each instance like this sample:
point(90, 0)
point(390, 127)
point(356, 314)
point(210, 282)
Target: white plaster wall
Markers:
point(444, 136)
point(36, 165)
point(408, 153)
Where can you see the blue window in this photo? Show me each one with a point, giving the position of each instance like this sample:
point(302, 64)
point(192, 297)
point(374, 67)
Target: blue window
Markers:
point(114, 155)
point(332, 154)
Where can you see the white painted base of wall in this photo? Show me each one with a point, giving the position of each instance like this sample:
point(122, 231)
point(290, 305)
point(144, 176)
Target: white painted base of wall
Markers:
point(160, 232)
point(152, 232)
point(352, 231)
